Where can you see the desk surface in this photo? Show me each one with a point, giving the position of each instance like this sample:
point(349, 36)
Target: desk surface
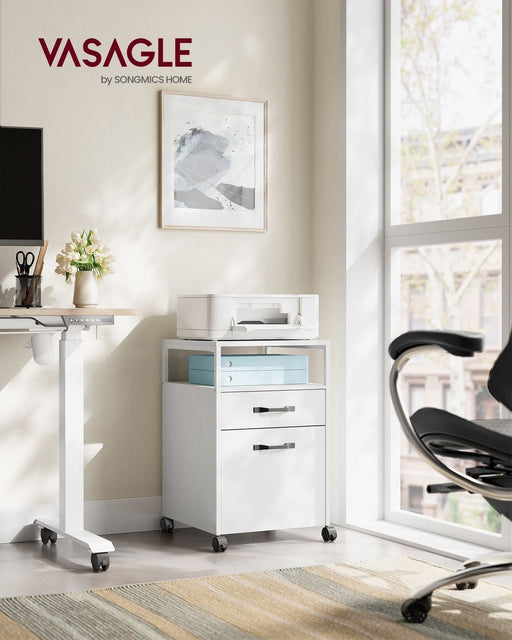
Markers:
point(9, 312)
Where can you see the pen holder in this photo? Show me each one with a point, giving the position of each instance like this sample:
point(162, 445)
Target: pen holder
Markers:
point(28, 291)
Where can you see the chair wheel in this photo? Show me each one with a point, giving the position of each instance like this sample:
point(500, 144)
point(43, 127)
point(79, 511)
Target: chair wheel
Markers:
point(100, 561)
point(461, 586)
point(416, 609)
point(166, 525)
point(329, 534)
point(219, 543)
point(47, 535)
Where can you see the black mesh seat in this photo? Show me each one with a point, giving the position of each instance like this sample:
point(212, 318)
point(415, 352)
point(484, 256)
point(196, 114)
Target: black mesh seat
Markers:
point(484, 445)
point(448, 434)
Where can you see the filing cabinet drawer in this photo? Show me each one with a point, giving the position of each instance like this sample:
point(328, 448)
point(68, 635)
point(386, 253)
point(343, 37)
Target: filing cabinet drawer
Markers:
point(257, 409)
point(272, 479)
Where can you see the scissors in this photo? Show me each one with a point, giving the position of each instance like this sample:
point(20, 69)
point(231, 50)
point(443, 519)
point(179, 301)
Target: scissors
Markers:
point(24, 262)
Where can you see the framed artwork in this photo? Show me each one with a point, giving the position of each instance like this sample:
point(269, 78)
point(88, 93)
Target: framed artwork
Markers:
point(213, 162)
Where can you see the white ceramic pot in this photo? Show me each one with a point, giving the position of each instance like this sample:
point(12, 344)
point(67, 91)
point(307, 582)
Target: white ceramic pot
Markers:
point(86, 289)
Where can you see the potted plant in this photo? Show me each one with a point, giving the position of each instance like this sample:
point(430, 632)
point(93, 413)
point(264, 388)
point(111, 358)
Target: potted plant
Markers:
point(83, 261)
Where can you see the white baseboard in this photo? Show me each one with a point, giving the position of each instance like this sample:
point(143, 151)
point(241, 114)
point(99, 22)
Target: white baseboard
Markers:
point(101, 517)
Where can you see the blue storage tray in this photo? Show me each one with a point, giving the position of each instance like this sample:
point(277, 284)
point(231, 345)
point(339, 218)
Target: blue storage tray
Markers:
point(251, 369)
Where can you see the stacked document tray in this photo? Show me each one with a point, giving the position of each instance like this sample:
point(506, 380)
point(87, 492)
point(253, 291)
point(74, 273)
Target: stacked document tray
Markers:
point(250, 369)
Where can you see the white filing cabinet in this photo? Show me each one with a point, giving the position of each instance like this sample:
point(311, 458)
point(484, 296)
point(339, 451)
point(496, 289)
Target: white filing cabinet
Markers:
point(244, 458)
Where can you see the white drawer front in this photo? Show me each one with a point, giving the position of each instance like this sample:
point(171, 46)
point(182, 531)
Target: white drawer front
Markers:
point(276, 488)
point(256, 409)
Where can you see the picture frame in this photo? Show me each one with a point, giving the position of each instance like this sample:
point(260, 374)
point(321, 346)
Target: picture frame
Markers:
point(213, 163)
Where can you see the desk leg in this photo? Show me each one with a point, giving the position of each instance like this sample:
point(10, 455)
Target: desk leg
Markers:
point(71, 452)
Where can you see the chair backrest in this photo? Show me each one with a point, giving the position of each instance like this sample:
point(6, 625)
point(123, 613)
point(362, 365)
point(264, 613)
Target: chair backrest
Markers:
point(500, 377)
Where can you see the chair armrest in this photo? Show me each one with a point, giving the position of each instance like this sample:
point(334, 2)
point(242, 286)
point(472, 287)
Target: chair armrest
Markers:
point(402, 349)
point(458, 343)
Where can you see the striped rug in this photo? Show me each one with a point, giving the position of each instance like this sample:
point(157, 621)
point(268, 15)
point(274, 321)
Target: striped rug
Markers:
point(357, 600)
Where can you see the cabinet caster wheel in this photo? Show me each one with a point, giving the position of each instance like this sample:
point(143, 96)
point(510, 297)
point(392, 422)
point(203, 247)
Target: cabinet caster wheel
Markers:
point(219, 543)
point(47, 535)
point(100, 561)
point(416, 609)
point(329, 534)
point(166, 525)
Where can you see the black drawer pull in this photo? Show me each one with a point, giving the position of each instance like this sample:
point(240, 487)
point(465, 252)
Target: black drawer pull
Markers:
point(264, 447)
point(275, 409)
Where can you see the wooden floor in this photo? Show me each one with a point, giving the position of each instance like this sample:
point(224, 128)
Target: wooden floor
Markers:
point(29, 568)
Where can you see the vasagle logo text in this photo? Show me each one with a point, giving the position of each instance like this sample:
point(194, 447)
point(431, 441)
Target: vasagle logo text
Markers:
point(139, 52)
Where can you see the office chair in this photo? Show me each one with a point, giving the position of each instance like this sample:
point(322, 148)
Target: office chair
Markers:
point(485, 444)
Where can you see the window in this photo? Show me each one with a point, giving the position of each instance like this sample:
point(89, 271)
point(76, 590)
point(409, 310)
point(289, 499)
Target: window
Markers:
point(446, 397)
point(486, 407)
point(446, 234)
point(490, 318)
point(416, 397)
point(450, 108)
point(415, 498)
point(417, 304)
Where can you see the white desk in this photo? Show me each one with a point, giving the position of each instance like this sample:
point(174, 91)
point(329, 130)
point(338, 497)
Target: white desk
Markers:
point(70, 323)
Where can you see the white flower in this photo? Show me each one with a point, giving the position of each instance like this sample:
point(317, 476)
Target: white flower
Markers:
point(84, 253)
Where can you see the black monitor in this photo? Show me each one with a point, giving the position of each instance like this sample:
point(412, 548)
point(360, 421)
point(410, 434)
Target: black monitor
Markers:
point(21, 186)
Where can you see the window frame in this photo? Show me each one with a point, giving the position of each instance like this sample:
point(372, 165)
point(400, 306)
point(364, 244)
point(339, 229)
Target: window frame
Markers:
point(457, 230)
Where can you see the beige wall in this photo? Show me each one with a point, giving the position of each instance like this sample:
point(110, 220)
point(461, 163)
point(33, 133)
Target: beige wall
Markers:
point(101, 169)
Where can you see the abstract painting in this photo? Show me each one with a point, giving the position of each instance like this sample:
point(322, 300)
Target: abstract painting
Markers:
point(213, 163)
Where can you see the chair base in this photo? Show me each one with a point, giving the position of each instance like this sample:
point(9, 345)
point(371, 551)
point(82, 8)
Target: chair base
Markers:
point(416, 608)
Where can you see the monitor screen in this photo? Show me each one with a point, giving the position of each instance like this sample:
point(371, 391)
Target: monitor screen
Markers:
point(21, 186)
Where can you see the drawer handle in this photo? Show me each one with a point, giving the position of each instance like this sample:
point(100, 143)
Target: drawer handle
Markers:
point(264, 447)
point(269, 409)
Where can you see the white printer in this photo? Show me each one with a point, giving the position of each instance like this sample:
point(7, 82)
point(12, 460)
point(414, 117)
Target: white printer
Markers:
point(247, 317)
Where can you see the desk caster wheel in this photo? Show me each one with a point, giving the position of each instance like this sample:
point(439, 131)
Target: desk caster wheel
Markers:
point(219, 543)
point(416, 609)
point(329, 534)
point(100, 561)
point(47, 535)
point(166, 525)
